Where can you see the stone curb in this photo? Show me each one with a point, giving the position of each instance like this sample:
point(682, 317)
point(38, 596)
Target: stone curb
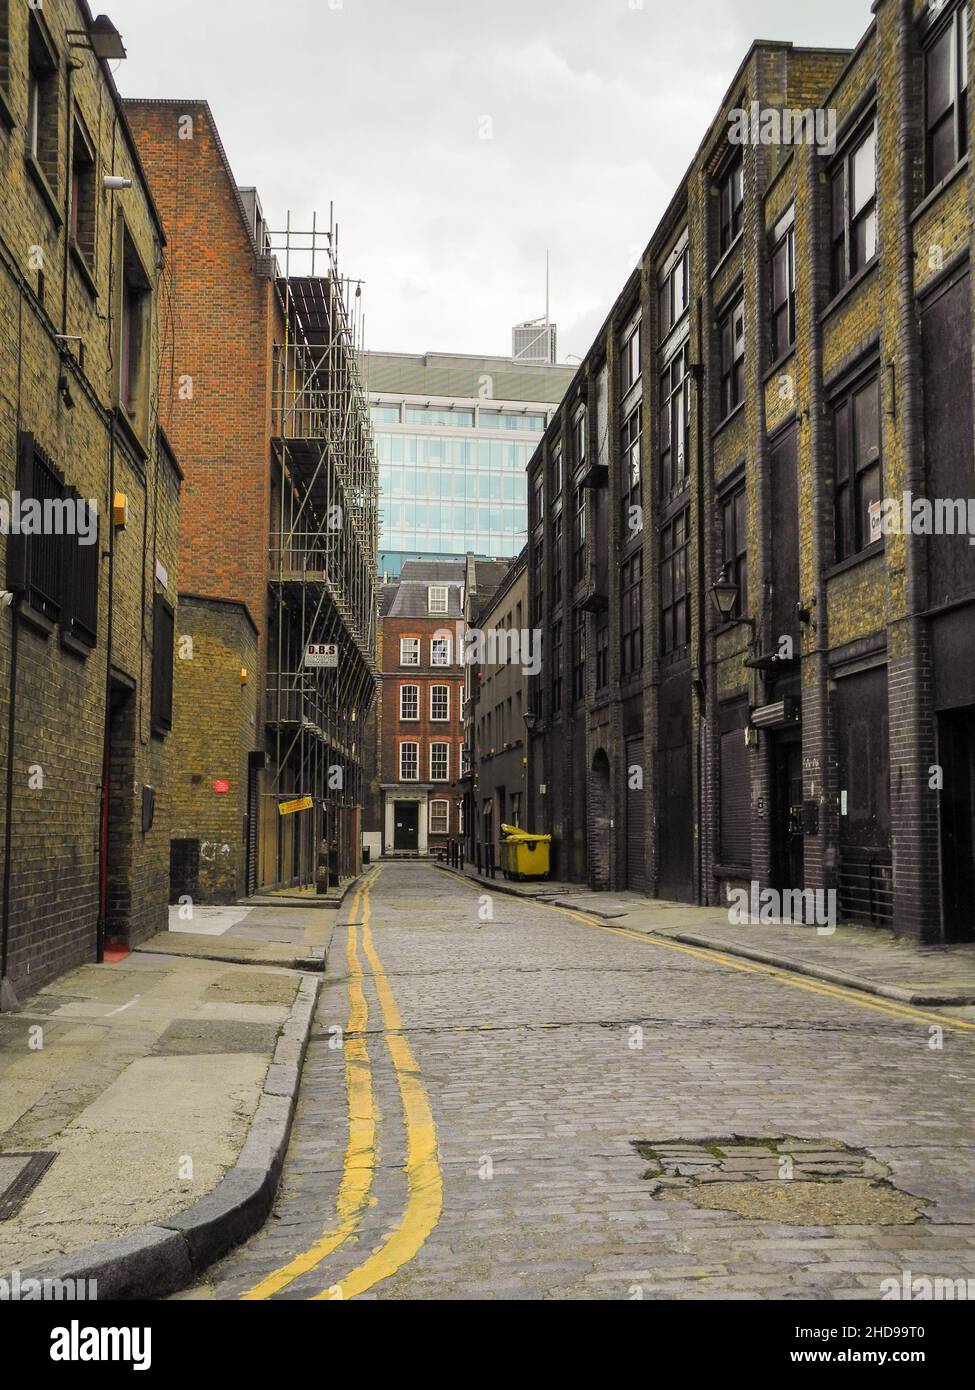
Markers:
point(312, 960)
point(322, 902)
point(933, 994)
point(154, 1261)
point(944, 996)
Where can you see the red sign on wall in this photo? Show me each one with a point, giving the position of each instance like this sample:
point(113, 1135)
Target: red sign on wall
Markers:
point(221, 786)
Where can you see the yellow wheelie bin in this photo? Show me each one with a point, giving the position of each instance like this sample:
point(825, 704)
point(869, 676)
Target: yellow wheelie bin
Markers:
point(524, 855)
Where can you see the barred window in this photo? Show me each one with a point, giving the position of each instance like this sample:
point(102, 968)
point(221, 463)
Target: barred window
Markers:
point(439, 817)
point(409, 702)
point(439, 651)
point(630, 359)
point(163, 656)
point(409, 651)
point(556, 667)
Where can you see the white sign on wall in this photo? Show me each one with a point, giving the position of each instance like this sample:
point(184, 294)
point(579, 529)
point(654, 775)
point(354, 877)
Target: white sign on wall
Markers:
point(322, 654)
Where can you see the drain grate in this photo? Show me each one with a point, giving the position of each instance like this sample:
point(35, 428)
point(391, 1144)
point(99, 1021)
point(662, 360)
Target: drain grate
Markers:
point(799, 1182)
point(19, 1175)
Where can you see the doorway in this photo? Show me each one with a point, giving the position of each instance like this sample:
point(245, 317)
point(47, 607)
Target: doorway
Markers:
point(956, 755)
point(787, 836)
point(406, 823)
point(118, 776)
point(599, 804)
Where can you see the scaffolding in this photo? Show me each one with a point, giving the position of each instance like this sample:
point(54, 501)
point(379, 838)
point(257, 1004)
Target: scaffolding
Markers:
point(323, 543)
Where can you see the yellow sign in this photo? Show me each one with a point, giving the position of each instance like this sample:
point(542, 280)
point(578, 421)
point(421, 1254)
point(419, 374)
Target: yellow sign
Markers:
point(288, 808)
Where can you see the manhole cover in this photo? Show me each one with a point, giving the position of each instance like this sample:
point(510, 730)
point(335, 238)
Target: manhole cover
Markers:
point(19, 1175)
point(797, 1182)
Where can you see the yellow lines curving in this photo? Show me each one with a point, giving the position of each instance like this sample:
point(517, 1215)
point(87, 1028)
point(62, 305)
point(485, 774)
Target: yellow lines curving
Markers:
point(423, 1175)
point(909, 1013)
point(360, 1153)
point(424, 1178)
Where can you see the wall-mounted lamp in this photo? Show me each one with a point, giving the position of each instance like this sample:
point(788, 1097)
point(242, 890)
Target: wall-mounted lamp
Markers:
point(724, 596)
point(112, 183)
point(102, 37)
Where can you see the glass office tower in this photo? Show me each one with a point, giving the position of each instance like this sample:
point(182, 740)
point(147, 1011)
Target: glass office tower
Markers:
point(454, 436)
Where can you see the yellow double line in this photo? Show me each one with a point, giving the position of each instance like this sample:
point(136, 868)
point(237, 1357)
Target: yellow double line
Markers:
point(781, 975)
point(423, 1175)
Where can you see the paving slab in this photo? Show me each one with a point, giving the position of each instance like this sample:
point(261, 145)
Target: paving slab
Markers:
point(146, 1078)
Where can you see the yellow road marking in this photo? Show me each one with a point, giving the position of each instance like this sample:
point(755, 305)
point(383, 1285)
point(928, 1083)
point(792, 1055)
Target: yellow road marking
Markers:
point(907, 1012)
point(423, 1176)
point(359, 1164)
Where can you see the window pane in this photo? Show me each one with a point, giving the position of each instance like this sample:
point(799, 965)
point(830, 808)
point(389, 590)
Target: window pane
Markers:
point(938, 72)
point(866, 407)
point(869, 492)
point(863, 174)
point(943, 149)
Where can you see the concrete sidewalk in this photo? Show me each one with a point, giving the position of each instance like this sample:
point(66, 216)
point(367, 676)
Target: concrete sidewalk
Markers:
point(145, 1106)
point(867, 958)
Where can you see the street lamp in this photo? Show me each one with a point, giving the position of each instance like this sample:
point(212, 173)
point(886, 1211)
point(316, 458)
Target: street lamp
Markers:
point(725, 595)
point(104, 39)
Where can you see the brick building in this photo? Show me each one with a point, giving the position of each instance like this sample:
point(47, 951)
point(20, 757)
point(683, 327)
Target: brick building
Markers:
point(496, 735)
point(260, 391)
point(86, 628)
point(792, 353)
point(422, 689)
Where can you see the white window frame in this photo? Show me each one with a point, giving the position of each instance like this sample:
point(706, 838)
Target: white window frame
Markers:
point(409, 718)
point(439, 718)
point(447, 650)
point(462, 704)
point(409, 743)
point(438, 589)
point(409, 647)
point(440, 743)
point(440, 801)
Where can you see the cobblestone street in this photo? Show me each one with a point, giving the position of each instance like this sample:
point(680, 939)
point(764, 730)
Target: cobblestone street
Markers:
point(546, 1107)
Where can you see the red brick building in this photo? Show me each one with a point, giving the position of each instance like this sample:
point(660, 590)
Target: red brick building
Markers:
point(422, 715)
point(259, 389)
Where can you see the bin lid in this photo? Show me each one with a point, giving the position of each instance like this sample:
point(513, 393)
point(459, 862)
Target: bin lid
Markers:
point(514, 832)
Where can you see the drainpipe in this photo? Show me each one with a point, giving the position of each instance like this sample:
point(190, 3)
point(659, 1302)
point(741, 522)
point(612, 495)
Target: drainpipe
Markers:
point(106, 733)
point(9, 1002)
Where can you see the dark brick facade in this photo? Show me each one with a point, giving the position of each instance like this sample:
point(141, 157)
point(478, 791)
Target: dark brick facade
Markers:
point(81, 626)
point(803, 749)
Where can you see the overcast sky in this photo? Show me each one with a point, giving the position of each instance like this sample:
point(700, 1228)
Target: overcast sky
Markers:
point(460, 138)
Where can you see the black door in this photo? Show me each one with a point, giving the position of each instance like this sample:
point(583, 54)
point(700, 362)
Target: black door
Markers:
point(787, 865)
point(636, 842)
point(956, 754)
point(407, 823)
